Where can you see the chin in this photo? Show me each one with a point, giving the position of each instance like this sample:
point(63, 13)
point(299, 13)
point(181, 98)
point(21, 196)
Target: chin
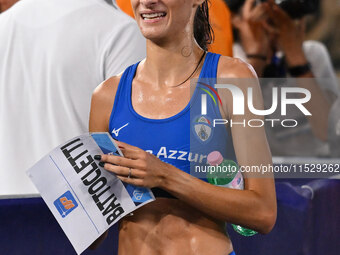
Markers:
point(154, 34)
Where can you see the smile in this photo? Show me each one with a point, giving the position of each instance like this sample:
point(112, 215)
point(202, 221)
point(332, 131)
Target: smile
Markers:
point(153, 16)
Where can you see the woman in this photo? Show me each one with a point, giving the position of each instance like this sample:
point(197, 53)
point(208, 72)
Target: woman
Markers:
point(151, 112)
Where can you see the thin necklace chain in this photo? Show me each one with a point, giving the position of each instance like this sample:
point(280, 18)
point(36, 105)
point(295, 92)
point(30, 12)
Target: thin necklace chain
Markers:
point(199, 63)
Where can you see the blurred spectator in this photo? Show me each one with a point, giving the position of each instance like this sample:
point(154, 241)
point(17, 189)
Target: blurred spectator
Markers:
point(219, 15)
point(284, 37)
point(273, 43)
point(6, 4)
point(53, 54)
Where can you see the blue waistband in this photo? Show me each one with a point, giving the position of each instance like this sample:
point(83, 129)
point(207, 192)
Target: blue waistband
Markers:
point(232, 253)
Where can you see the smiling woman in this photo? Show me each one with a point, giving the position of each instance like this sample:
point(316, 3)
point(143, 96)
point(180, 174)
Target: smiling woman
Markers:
point(148, 109)
point(219, 15)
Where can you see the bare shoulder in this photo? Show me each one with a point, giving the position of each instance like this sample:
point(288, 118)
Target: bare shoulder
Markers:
point(237, 72)
point(102, 103)
point(234, 68)
point(107, 88)
point(242, 76)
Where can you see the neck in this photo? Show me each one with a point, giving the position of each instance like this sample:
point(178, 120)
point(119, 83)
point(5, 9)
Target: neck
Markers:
point(169, 64)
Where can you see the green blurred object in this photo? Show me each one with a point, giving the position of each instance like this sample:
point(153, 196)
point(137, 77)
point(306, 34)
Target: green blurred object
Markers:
point(244, 231)
point(223, 178)
point(225, 173)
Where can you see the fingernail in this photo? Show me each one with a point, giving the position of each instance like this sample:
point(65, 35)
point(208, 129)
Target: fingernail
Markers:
point(97, 157)
point(101, 164)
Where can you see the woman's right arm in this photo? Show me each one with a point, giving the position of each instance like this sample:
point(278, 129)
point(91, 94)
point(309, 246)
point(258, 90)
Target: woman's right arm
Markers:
point(101, 106)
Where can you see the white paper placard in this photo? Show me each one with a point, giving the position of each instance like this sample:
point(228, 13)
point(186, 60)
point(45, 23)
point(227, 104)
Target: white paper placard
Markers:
point(85, 198)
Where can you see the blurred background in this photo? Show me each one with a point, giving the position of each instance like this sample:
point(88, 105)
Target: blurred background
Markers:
point(323, 27)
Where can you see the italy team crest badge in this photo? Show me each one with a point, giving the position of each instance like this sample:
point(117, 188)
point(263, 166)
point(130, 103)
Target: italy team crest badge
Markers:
point(203, 128)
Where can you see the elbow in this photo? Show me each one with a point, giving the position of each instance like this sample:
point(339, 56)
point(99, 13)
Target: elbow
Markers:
point(267, 219)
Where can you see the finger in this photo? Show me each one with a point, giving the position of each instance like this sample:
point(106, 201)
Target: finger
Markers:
point(132, 153)
point(259, 13)
point(271, 13)
point(125, 145)
point(124, 171)
point(132, 181)
point(120, 161)
point(269, 28)
point(280, 13)
point(248, 5)
point(274, 19)
point(128, 150)
point(236, 21)
point(274, 13)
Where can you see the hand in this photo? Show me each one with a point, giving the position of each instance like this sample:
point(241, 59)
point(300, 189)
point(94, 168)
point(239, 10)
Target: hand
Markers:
point(289, 34)
point(146, 170)
point(254, 38)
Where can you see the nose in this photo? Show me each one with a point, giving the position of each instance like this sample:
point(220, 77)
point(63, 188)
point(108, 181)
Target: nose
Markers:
point(148, 3)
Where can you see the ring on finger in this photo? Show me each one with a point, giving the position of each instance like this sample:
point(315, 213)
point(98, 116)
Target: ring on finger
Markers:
point(129, 176)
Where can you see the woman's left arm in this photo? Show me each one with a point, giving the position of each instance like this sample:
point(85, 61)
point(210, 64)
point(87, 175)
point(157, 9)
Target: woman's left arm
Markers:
point(254, 207)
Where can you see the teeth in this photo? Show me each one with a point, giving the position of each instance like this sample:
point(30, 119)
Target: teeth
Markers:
point(153, 15)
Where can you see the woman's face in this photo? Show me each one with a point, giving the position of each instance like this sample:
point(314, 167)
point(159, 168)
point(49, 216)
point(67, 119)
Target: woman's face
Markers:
point(163, 19)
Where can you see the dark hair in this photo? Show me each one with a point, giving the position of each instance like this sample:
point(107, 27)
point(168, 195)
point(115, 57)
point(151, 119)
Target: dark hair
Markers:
point(234, 5)
point(203, 31)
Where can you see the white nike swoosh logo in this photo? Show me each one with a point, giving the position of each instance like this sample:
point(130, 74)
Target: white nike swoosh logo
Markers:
point(116, 131)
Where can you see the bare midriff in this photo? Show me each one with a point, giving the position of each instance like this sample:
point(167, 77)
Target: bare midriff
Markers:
point(171, 227)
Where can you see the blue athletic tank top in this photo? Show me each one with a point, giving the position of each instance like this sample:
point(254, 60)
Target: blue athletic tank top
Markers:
point(183, 140)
